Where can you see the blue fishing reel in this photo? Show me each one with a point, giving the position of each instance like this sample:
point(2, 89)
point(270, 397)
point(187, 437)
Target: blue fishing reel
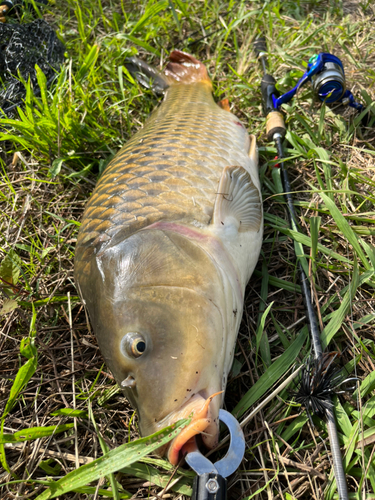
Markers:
point(326, 73)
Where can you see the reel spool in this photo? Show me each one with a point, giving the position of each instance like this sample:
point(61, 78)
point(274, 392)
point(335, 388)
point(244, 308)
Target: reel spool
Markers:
point(329, 84)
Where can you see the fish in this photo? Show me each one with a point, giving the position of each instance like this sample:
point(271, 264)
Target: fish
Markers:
point(167, 244)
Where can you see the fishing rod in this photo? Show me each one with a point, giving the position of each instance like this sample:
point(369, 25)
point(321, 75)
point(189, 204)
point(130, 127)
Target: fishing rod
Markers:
point(326, 73)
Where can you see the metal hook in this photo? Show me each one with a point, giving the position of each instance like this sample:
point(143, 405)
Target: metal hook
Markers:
point(228, 464)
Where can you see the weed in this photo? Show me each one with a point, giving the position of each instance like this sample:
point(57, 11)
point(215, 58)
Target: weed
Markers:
point(64, 138)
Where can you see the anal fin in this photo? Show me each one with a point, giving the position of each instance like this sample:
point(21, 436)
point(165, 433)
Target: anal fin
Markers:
point(238, 201)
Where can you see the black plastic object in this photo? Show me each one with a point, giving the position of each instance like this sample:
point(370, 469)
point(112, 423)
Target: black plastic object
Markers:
point(304, 281)
point(260, 46)
point(268, 89)
point(268, 83)
point(22, 46)
point(209, 486)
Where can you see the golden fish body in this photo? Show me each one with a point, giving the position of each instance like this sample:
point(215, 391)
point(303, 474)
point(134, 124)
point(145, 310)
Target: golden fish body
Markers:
point(168, 241)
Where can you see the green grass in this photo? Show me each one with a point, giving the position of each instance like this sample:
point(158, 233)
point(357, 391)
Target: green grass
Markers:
point(60, 407)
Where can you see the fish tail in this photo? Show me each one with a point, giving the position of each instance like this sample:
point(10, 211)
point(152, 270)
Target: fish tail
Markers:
point(184, 68)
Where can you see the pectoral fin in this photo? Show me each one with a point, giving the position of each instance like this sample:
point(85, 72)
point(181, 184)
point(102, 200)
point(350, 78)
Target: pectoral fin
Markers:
point(237, 201)
point(224, 104)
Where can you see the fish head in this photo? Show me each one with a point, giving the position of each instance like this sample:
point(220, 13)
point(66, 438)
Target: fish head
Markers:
point(158, 311)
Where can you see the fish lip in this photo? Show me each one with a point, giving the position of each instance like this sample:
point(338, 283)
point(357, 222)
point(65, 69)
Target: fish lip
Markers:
point(197, 425)
point(187, 434)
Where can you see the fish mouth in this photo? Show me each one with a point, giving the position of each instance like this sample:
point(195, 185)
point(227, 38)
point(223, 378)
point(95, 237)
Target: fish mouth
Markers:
point(202, 418)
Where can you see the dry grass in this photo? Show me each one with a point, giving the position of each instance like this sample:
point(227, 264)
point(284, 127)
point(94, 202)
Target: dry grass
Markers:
point(285, 457)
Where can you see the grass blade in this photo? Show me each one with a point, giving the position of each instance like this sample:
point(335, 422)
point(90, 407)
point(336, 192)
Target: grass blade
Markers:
point(346, 230)
point(27, 349)
point(272, 374)
point(151, 11)
point(305, 240)
point(105, 450)
point(262, 339)
point(34, 433)
point(338, 316)
point(114, 460)
point(314, 230)
point(150, 473)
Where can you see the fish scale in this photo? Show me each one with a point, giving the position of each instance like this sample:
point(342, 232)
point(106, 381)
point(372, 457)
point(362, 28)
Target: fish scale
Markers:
point(167, 244)
point(169, 170)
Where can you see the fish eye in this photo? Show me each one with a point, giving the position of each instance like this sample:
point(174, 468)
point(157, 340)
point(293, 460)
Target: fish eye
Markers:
point(133, 344)
point(138, 347)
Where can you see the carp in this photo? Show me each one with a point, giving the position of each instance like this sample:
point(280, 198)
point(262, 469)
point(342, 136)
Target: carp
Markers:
point(167, 244)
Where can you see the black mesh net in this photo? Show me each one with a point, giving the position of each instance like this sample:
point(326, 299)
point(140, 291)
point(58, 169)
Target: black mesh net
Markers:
point(22, 46)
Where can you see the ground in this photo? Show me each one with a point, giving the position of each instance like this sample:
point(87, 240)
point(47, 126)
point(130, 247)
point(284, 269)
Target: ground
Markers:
point(60, 406)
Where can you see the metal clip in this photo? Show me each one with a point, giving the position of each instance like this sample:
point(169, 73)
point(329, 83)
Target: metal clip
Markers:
point(210, 483)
